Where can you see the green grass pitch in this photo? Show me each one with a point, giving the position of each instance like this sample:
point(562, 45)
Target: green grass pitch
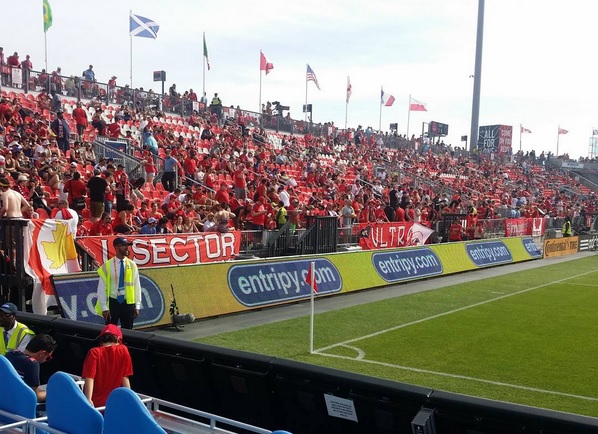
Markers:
point(529, 337)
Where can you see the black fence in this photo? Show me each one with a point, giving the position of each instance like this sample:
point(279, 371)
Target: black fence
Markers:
point(276, 393)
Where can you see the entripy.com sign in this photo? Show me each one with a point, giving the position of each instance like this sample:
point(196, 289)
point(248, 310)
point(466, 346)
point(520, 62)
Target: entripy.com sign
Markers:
point(489, 253)
point(276, 282)
point(407, 264)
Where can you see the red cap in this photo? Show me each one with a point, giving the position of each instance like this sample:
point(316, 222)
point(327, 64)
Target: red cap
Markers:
point(112, 329)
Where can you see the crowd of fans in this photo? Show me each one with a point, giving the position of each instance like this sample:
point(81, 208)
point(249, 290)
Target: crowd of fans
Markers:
point(221, 171)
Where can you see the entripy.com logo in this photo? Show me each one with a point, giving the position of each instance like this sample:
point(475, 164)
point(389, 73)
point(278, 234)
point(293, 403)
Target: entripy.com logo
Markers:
point(489, 253)
point(275, 282)
point(407, 264)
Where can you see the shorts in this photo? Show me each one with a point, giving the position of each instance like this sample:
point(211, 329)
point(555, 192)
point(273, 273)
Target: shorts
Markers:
point(96, 209)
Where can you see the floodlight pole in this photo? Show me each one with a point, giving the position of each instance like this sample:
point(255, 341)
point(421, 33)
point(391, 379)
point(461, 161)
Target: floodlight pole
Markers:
point(477, 79)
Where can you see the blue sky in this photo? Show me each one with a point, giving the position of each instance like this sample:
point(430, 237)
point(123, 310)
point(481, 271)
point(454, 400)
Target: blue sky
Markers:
point(538, 66)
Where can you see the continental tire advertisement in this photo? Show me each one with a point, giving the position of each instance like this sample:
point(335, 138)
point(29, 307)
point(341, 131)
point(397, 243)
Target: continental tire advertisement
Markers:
point(221, 288)
point(561, 246)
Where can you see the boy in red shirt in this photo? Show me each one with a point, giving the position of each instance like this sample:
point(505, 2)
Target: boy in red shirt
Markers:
point(106, 367)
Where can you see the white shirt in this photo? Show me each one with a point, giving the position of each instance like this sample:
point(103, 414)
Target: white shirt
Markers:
point(114, 276)
point(284, 196)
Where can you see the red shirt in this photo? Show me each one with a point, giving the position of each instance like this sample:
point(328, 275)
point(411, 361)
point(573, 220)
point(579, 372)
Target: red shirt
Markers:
point(114, 130)
point(222, 196)
point(258, 219)
point(190, 166)
point(80, 116)
point(107, 365)
point(101, 228)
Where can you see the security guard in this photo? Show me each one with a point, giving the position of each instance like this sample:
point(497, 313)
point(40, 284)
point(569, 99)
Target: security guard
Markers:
point(566, 229)
point(16, 335)
point(119, 289)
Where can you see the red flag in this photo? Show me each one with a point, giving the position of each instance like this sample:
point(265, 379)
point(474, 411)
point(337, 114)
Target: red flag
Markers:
point(416, 106)
point(308, 279)
point(563, 131)
point(264, 64)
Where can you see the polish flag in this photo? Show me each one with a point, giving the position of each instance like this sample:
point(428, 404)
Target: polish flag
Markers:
point(387, 99)
point(417, 106)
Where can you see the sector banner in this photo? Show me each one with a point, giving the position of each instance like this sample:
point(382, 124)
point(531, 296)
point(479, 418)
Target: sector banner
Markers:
point(392, 235)
point(172, 249)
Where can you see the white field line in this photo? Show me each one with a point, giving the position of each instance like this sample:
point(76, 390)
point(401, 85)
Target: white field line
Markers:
point(461, 377)
point(481, 303)
point(591, 285)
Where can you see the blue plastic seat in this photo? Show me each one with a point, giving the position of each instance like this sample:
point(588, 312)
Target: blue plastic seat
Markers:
point(126, 414)
point(68, 409)
point(17, 397)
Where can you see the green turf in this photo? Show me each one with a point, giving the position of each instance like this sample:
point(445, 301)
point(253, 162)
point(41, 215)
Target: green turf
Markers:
point(534, 329)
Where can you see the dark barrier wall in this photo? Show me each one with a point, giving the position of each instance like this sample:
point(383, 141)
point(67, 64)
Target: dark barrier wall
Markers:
point(274, 393)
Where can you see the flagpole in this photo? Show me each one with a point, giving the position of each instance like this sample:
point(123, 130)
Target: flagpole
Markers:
point(408, 116)
point(46, 49)
point(306, 65)
point(557, 140)
point(259, 105)
point(131, 54)
point(312, 270)
point(380, 119)
point(520, 134)
point(203, 63)
point(346, 110)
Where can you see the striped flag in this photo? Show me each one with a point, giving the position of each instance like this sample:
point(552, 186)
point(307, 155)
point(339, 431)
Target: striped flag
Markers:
point(142, 27)
point(416, 106)
point(47, 15)
point(386, 99)
point(311, 76)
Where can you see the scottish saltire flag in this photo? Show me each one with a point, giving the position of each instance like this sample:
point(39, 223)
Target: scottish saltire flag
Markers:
point(142, 27)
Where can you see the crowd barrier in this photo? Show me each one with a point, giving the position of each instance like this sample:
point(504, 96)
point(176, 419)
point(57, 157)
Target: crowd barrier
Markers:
point(223, 288)
point(304, 399)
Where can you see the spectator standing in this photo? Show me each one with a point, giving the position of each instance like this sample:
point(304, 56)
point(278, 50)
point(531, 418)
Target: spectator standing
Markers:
point(80, 116)
point(26, 66)
point(119, 288)
point(16, 335)
point(13, 202)
point(97, 187)
point(61, 130)
point(106, 367)
point(77, 191)
point(169, 175)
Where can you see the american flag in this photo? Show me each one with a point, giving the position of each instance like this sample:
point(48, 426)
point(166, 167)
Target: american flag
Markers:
point(312, 77)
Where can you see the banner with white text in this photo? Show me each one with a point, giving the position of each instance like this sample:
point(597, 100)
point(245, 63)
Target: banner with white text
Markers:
point(171, 249)
point(394, 234)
